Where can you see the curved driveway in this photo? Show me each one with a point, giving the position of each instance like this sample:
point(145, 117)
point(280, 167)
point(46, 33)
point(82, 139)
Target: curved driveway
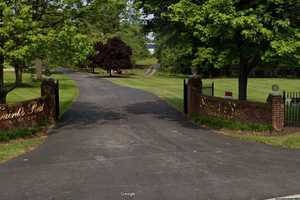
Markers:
point(117, 143)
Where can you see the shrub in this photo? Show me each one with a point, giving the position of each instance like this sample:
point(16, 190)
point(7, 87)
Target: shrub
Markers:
point(218, 123)
point(6, 136)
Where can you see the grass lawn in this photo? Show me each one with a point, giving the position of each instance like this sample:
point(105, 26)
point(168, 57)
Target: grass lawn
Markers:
point(68, 92)
point(170, 88)
point(147, 61)
point(18, 147)
point(291, 141)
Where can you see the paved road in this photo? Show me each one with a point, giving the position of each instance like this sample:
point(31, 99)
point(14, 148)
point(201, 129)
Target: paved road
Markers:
point(117, 141)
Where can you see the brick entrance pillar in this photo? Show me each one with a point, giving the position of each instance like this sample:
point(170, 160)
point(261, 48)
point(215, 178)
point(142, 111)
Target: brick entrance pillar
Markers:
point(48, 90)
point(277, 113)
point(194, 85)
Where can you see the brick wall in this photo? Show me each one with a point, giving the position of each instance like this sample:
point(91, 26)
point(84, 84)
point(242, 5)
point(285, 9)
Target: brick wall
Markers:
point(244, 111)
point(271, 112)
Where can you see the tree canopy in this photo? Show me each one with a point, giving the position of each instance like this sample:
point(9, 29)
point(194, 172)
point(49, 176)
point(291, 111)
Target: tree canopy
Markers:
point(58, 32)
point(227, 32)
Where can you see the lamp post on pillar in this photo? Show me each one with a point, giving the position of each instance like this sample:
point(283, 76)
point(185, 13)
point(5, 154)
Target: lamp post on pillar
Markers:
point(277, 109)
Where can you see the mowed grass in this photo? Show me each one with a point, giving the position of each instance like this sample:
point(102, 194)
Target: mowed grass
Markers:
point(147, 61)
point(167, 88)
point(291, 141)
point(31, 89)
point(18, 147)
point(258, 88)
point(170, 88)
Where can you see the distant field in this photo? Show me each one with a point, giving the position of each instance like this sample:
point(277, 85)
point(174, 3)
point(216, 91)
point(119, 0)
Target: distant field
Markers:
point(171, 89)
point(147, 61)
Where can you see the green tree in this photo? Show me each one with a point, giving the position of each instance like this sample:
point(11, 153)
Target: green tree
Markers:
point(37, 29)
point(131, 31)
point(67, 47)
point(245, 32)
point(99, 19)
point(78, 25)
point(226, 32)
point(58, 32)
point(16, 27)
point(134, 36)
point(175, 44)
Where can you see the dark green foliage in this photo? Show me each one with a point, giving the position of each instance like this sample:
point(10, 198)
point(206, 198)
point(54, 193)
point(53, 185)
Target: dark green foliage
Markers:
point(218, 123)
point(175, 43)
point(216, 33)
point(174, 54)
point(6, 136)
point(134, 36)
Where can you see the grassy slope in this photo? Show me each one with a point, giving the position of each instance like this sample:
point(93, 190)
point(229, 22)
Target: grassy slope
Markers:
point(170, 89)
point(68, 92)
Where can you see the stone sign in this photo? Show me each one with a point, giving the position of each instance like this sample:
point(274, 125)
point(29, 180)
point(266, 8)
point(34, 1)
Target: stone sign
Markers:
point(33, 112)
point(35, 108)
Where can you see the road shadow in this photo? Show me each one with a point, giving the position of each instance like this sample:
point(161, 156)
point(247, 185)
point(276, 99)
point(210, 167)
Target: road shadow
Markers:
point(162, 111)
point(83, 115)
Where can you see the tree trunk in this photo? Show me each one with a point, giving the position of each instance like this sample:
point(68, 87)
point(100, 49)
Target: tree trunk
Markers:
point(110, 74)
point(39, 69)
point(3, 98)
point(243, 79)
point(18, 73)
point(2, 88)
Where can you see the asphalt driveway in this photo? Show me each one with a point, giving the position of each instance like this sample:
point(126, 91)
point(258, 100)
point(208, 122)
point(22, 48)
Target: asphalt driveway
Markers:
point(120, 143)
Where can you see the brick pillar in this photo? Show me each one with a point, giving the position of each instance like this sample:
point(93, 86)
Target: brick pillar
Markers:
point(194, 83)
point(191, 100)
point(277, 113)
point(48, 91)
